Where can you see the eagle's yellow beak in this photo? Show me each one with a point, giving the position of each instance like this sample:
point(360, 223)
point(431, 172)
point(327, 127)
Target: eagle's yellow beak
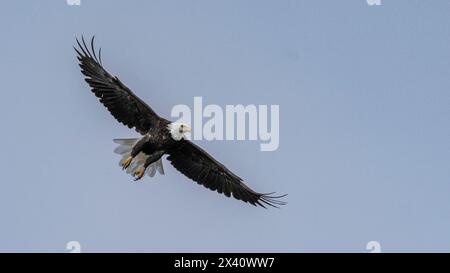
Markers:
point(186, 129)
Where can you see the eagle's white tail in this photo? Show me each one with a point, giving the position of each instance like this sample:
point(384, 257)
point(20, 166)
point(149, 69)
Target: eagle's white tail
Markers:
point(124, 149)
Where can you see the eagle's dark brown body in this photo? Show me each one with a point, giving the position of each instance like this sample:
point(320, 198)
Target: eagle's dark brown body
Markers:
point(156, 139)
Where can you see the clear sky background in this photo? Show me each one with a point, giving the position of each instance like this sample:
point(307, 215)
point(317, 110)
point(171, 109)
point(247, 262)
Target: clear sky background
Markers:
point(364, 125)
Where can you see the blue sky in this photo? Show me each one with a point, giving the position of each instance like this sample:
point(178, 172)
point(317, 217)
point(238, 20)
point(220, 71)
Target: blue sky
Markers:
point(364, 125)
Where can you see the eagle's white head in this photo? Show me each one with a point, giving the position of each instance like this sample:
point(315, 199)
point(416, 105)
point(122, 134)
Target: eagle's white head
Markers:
point(177, 130)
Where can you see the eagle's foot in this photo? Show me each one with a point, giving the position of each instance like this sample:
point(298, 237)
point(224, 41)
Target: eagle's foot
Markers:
point(139, 174)
point(126, 162)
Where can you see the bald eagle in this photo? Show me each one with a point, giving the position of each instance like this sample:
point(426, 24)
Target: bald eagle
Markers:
point(160, 137)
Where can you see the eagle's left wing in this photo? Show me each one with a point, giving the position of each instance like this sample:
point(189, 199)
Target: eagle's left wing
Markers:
point(199, 166)
point(120, 101)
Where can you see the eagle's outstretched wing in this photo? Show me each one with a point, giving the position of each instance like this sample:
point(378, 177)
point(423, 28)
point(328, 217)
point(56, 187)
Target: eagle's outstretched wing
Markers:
point(125, 106)
point(199, 166)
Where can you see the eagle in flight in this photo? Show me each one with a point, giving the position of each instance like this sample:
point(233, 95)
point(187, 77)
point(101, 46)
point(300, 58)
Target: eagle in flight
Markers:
point(160, 137)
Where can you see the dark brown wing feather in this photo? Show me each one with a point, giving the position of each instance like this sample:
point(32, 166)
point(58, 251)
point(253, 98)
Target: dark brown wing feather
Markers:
point(120, 101)
point(199, 166)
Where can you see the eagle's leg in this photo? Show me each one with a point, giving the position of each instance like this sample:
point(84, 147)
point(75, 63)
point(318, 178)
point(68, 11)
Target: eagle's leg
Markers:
point(137, 148)
point(151, 159)
point(127, 162)
point(139, 173)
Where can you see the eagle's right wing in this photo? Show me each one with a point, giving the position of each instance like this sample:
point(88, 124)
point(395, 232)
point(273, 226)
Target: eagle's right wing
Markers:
point(120, 101)
point(201, 167)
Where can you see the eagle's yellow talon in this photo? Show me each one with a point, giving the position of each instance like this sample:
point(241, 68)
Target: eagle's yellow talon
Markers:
point(139, 174)
point(126, 163)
